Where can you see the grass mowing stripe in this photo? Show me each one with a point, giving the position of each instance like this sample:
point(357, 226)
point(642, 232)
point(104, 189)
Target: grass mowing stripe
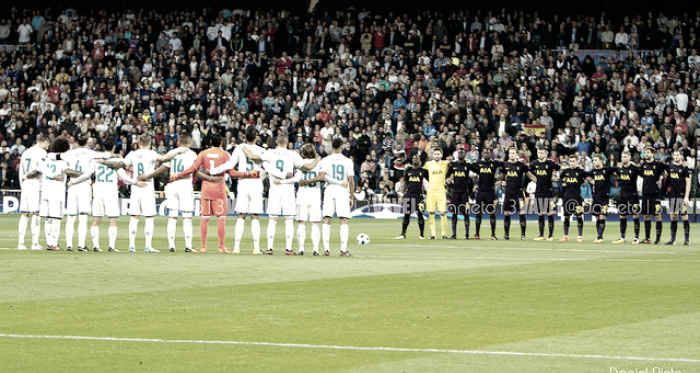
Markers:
point(541, 259)
point(562, 250)
point(355, 348)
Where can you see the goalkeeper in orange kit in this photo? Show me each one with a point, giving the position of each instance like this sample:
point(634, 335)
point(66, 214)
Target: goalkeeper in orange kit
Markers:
point(213, 193)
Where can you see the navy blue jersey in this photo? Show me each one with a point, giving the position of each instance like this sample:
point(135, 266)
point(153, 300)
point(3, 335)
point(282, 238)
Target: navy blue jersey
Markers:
point(514, 172)
point(676, 181)
point(651, 172)
point(487, 173)
point(627, 180)
point(601, 181)
point(543, 171)
point(461, 177)
point(414, 180)
point(571, 181)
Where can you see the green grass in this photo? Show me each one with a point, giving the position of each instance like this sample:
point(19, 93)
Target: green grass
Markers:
point(434, 306)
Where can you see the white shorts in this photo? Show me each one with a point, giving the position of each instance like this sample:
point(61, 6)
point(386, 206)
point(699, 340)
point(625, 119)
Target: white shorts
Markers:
point(142, 203)
point(180, 198)
point(53, 208)
point(30, 201)
point(338, 204)
point(310, 213)
point(281, 201)
point(105, 206)
point(79, 199)
point(249, 201)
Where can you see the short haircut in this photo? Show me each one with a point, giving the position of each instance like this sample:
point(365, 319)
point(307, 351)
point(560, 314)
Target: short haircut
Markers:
point(337, 143)
point(108, 143)
point(282, 140)
point(185, 138)
point(251, 133)
point(42, 138)
point(650, 149)
point(215, 140)
point(145, 139)
point(599, 156)
point(83, 139)
point(59, 145)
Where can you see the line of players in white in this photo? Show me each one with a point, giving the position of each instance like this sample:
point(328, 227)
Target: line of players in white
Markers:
point(47, 193)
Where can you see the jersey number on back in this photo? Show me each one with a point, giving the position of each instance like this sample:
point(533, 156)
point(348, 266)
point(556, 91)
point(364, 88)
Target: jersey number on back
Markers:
point(104, 174)
point(178, 166)
point(310, 175)
point(339, 172)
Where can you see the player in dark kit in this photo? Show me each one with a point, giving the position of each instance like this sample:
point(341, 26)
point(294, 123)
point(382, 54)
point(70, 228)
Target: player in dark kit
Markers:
point(601, 194)
point(413, 195)
point(514, 170)
point(678, 195)
point(541, 172)
point(572, 178)
point(628, 200)
point(460, 192)
point(486, 195)
point(651, 172)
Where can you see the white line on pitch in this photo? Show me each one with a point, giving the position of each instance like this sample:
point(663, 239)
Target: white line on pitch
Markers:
point(354, 348)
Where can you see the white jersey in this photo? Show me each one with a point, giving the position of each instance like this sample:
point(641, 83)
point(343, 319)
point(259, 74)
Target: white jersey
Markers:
point(281, 161)
point(79, 159)
point(105, 178)
point(337, 167)
point(142, 162)
point(310, 194)
point(180, 163)
point(32, 159)
point(51, 188)
point(242, 162)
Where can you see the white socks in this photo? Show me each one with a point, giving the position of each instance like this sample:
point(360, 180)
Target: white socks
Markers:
point(95, 235)
point(240, 228)
point(133, 228)
point(48, 231)
point(187, 228)
point(36, 228)
point(70, 229)
point(112, 233)
point(344, 234)
point(148, 230)
point(315, 236)
point(172, 229)
point(288, 233)
point(82, 229)
point(56, 226)
point(271, 230)
point(301, 236)
point(326, 237)
point(23, 220)
point(255, 228)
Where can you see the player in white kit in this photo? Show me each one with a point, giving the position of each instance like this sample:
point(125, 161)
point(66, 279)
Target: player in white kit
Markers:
point(30, 199)
point(280, 200)
point(79, 200)
point(309, 201)
point(105, 200)
point(338, 197)
point(53, 193)
point(249, 196)
point(142, 162)
point(180, 193)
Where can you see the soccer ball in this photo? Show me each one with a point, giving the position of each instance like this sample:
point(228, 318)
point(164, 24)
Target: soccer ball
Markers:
point(362, 239)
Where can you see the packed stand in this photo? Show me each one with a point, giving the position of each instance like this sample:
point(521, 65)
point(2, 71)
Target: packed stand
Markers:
point(392, 86)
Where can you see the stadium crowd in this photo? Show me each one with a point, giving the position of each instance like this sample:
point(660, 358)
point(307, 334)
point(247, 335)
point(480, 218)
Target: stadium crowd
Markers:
point(391, 86)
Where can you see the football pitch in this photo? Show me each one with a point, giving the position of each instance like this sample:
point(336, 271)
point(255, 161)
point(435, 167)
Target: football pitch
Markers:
point(396, 306)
